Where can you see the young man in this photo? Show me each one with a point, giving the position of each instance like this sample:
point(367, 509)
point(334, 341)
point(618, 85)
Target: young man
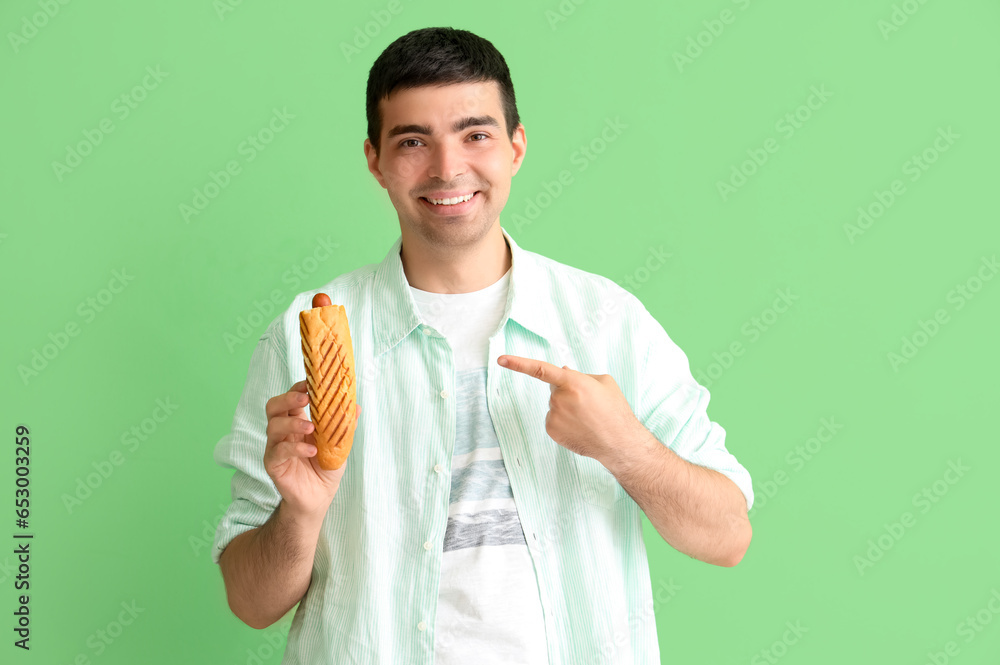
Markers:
point(518, 414)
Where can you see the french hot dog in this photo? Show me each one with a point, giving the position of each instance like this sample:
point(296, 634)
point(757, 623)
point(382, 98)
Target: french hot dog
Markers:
point(329, 361)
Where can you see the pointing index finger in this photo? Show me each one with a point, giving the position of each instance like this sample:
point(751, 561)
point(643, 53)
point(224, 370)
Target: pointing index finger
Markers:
point(539, 369)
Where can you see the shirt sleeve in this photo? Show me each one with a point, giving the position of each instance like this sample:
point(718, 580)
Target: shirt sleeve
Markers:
point(673, 407)
point(254, 495)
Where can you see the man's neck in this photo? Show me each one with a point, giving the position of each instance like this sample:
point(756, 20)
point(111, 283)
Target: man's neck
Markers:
point(472, 269)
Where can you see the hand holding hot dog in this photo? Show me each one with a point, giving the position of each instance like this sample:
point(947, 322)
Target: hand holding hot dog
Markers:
point(290, 454)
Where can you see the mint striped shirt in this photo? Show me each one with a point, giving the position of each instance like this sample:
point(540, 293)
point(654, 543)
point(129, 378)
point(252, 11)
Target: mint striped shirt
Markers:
point(377, 569)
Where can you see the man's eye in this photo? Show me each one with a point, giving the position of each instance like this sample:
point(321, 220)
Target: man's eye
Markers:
point(404, 143)
point(483, 134)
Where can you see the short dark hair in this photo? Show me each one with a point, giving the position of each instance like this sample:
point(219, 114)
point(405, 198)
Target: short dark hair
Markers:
point(437, 56)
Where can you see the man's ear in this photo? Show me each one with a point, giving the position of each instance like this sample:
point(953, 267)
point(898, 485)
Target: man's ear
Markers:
point(372, 158)
point(519, 143)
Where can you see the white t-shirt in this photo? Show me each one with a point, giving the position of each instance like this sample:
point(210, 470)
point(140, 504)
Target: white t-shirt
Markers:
point(488, 606)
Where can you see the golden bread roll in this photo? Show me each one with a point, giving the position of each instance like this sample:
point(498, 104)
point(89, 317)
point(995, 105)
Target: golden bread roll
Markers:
point(329, 361)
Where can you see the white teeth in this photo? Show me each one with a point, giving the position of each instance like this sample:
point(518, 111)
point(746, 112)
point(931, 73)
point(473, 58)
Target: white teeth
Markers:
point(452, 201)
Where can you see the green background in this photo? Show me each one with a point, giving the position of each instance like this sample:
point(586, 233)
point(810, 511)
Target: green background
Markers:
point(144, 533)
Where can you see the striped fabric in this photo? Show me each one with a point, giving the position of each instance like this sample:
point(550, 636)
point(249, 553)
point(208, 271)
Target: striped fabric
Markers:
point(488, 600)
point(377, 569)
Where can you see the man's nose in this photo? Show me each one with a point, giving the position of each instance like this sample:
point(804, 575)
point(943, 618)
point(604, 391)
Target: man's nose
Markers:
point(447, 162)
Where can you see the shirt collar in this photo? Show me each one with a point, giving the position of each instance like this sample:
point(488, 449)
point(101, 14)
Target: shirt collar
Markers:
point(395, 314)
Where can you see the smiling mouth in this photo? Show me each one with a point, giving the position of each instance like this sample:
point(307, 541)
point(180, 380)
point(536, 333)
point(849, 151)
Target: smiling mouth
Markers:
point(450, 202)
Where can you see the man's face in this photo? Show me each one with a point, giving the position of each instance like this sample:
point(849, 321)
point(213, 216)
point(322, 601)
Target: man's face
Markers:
point(443, 142)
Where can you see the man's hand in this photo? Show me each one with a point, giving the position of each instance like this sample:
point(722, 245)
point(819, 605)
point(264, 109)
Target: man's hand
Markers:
point(290, 455)
point(588, 414)
point(697, 510)
point(269, 568)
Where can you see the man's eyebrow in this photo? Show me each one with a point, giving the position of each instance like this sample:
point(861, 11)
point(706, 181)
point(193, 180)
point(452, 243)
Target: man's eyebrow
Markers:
point(464, 123)
point(475, 121)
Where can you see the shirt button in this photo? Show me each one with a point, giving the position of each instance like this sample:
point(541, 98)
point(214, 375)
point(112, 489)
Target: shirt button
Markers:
point(427, 331)
point(422, 625)
point(437, 468)
point(444, 394)
point(427, 545)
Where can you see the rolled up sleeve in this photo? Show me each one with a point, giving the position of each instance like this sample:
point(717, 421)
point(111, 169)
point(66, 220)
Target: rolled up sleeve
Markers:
point(674, 407)
point(254, 494)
